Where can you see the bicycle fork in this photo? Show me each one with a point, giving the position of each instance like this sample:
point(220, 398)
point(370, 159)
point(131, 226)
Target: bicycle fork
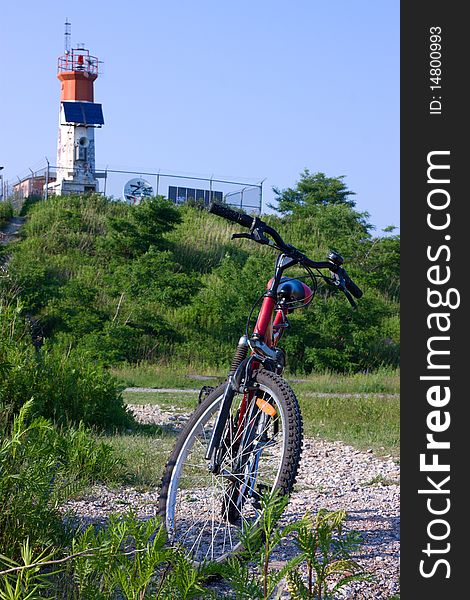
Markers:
point(222, 417)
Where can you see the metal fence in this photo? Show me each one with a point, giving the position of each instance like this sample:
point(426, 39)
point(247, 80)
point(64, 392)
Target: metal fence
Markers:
point(178, 187)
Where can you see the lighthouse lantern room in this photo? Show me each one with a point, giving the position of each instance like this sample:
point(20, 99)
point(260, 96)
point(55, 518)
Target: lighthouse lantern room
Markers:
point(79, 115)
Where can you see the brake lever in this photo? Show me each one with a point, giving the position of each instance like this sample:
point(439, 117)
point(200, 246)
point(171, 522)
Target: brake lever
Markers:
point(339, 282)
point(257, 235)
point(247, 236)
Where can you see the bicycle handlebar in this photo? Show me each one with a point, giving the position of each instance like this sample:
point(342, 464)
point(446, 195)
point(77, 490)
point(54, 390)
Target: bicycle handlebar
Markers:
point(351, 286)
point(250, 222)
point(231, 215)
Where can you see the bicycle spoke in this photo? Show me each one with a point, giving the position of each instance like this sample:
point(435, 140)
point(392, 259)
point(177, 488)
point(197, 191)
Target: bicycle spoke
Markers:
point(211, 509)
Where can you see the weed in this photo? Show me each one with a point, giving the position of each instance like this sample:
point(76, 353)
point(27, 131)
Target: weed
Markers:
point(40, 467)
point(323, 547)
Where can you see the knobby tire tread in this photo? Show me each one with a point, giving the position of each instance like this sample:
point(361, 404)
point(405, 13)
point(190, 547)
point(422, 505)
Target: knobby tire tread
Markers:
point(294, 432)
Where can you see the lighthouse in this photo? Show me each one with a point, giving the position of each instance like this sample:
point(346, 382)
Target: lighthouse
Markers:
point(79, 115)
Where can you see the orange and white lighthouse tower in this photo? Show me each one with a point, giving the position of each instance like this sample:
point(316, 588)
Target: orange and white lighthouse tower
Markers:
point(79, 115)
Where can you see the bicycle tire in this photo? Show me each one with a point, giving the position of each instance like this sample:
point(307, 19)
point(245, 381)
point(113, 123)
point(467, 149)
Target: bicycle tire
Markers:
point(184, 500)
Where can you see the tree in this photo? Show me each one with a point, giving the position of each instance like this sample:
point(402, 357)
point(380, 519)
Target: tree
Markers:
point(132, 230)
point(313, 189)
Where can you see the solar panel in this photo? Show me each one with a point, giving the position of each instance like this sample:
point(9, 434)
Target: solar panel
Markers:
point(84, 113)
point(93, 114)
point(73, 112)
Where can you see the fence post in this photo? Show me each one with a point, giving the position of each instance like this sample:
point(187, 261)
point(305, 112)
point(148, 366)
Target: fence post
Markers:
point(46, 191)
point(261, 195)
point(105, 180)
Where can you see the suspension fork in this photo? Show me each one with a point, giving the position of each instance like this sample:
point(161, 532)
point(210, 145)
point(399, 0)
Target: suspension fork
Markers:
point(222, 417)
point(262, 333)
point(233, 385)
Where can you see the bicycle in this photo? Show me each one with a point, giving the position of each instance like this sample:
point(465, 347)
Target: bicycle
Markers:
point(245, 437)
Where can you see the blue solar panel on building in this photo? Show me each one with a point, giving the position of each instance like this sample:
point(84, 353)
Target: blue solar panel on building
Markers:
point(84, 113)
point(93, 114)
point(73, 112)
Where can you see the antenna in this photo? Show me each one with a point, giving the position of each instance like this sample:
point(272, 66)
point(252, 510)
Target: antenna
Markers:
point(67, 36)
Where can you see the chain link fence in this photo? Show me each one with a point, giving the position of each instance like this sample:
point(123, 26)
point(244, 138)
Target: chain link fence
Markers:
point(131, 186)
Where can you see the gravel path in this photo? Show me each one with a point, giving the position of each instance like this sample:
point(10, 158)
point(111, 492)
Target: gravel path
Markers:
point(148, 390)
point(9, 233)
point(10, 230)
point(332, 476)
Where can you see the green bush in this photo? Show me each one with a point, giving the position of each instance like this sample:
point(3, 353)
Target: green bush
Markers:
point(149, 282)
point(323, 555)
point(40, 467)
point(6, 211)
point(131, 559)
point(62, 383)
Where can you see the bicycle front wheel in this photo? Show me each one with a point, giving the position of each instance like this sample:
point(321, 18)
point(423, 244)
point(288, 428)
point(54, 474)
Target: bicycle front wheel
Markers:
point(260, 451)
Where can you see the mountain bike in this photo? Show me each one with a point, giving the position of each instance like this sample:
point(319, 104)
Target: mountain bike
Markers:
point(245, 437)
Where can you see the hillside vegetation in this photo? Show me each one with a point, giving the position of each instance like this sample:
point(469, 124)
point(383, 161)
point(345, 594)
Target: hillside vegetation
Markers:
point(93, 284)
point(6, 212)
point(159, 283)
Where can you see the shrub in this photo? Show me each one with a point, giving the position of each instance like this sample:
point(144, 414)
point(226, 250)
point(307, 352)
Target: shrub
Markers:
point(6, 211)
point(63, 384)
point(128, 560)
point(324, 555)
point(40, 467)
point(146, 282)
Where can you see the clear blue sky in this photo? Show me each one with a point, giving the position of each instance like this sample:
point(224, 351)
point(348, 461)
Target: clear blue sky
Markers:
point(246, 88)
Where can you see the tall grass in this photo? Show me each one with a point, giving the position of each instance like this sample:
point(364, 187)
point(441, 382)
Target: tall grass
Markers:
point(178, 375)
point(40, 467)
point(152, 282)
point(6, 211)
point(164, 375)
point(365, 423)
point(62, 383)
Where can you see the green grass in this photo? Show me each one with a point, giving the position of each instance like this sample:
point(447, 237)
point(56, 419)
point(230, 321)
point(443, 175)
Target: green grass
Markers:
point(371, 421)
point(383, 381)
point(143, 452)
point(142, 455)
point(6, 212)
point(185, 402)
point(165, 376)
point(364, 423)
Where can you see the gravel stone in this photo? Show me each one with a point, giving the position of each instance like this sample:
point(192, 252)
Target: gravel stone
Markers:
point(332, 475)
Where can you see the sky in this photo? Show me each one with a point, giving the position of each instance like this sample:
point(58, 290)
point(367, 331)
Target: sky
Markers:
point(245, 89)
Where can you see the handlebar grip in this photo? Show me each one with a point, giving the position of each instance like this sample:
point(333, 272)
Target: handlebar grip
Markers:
point(231, 215)
point(353, 288)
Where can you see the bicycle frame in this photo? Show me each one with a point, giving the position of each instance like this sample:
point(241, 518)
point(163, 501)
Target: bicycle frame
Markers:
point(250, 426)
point(267, 332)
